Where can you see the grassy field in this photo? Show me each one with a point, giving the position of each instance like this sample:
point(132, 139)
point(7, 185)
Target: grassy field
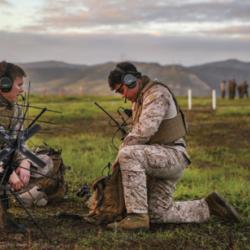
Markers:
point(219, 147)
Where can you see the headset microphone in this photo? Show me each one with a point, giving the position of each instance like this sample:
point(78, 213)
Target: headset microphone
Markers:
point(23, 97)
point(125, 96)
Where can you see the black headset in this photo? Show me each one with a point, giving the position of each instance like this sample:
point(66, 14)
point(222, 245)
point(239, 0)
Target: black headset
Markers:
point(6, 81)
point(128, 78)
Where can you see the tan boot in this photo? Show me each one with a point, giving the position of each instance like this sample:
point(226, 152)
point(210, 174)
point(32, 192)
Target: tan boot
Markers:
point(219, 207)
point(132, 222)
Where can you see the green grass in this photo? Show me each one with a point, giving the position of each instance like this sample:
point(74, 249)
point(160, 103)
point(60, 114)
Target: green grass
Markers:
point(219, 148)
point(213, 168)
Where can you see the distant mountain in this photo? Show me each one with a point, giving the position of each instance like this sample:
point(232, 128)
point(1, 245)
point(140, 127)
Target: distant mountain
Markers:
point(214, 73)
point(58, 77)
point(177, 77)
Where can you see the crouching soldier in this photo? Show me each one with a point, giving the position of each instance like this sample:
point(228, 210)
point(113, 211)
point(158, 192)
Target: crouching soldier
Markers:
point(152, 158)
point(11, 120)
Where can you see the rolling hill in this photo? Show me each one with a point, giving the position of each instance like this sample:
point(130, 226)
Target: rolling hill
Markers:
point(60, 77)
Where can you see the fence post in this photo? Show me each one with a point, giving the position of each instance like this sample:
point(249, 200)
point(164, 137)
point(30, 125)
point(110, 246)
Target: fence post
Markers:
point(189, 99)
point(214, 99)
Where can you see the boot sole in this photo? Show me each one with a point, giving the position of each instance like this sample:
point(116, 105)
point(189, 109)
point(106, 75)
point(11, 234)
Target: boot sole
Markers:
point(217, 199)
point(119, 229)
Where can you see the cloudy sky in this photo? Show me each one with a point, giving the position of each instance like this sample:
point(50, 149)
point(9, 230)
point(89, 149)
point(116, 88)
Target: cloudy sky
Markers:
point(183, 32)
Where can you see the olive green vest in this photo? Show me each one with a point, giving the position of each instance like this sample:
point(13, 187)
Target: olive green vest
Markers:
point(170, 130)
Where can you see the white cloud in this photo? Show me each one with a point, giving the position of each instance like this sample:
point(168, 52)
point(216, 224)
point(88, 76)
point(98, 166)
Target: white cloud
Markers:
point(120, 16)
point(91, 16)
point(92, 31)
point(4, 2)
point(91, 49)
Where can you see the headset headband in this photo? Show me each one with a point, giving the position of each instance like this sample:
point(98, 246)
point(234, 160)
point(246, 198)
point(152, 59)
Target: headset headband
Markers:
point(126, 72)
point(6, 70)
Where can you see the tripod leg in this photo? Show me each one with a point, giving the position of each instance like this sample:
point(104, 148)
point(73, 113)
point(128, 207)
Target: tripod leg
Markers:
point(28, 213)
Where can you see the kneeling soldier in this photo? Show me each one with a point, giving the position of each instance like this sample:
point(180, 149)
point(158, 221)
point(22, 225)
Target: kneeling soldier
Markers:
point(153, 156)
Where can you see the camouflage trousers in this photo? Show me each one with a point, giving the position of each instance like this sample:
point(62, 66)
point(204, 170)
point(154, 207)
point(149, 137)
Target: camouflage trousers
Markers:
point(149, 176)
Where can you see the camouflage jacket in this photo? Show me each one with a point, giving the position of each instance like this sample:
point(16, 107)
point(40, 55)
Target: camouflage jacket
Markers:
point(149, 110)
point(10, 121)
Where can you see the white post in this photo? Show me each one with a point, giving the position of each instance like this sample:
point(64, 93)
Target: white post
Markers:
point(214, 99)
point(189, 99)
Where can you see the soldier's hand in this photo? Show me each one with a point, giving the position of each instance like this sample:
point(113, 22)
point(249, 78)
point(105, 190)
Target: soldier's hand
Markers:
point(15, 182)
point(23, 171)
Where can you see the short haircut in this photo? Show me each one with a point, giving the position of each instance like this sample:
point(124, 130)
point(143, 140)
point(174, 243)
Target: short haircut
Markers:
point(11, 70)
point(116, 75)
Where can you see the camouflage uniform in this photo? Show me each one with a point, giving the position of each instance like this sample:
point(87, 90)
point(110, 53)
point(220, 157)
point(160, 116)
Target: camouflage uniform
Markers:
point(10, 121)
point(223, 89)
point(243, 89)
point(150, 172)
point(232, 89)
point(40, 187)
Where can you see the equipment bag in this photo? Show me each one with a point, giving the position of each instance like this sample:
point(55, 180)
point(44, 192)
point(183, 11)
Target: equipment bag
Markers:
point(107, 201)
point(51, 185)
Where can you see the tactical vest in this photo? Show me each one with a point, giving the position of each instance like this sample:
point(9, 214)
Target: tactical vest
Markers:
point(171, 129)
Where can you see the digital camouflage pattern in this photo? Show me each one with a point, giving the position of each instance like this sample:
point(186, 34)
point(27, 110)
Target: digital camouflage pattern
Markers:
point(150, 172)
point(10, 121)
point(107, 203)
point(40, 189)
point(150, 109)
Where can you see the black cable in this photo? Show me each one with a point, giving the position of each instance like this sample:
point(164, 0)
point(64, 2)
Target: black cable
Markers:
point(113, 137)
point(17, 198)
point(36, 107)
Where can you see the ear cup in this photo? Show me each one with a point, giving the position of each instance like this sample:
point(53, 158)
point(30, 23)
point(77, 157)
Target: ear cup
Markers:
point(5, 79)
point(129, 80)
point(5, 84)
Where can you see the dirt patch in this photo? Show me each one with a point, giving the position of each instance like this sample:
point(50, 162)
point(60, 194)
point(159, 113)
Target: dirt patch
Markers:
point(214, 131)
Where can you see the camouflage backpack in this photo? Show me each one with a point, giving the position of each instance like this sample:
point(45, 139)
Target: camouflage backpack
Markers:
point(57, 188)
point(107, 202)
point(51, 186)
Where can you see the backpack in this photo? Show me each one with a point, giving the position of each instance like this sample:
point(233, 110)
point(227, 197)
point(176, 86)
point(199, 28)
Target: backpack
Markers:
point(56, 188)
point(107, 201)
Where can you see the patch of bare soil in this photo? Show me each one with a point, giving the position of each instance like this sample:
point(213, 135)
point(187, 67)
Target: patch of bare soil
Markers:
point(72, 232)
point(217, 131)
point(62, 229)
point(78, 126)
